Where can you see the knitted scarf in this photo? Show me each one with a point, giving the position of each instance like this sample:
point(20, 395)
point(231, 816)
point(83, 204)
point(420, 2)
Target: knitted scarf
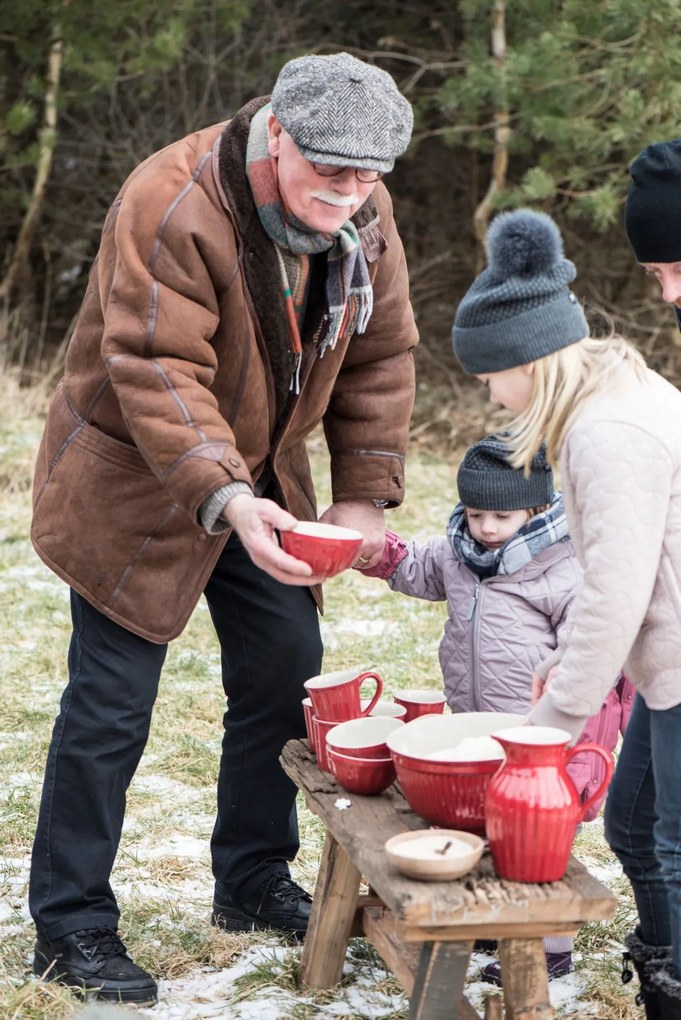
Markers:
point(540, 532)
point(349, 294)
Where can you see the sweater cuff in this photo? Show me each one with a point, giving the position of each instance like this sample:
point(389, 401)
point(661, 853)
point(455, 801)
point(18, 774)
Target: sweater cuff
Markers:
point(543, 668)
point(210, 511)
point(547, 713)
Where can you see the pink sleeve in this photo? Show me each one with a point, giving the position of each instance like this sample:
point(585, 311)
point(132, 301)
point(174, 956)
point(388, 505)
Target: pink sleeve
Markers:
point(394, 551)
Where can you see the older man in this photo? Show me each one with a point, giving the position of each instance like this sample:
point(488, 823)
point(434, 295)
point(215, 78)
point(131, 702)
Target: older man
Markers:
point(250, 283)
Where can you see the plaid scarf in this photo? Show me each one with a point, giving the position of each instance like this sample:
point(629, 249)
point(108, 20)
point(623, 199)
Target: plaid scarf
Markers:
point(538, 534)
point(349, 294)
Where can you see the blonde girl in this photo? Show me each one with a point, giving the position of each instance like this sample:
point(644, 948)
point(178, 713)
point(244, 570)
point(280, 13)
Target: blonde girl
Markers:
point(614, 428)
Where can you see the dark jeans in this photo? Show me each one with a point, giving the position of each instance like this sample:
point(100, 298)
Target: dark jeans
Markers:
point(643, 821)
point(270, 641)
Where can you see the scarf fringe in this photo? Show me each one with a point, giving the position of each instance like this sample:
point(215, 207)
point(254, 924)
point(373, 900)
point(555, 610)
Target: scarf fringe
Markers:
point(352, 317)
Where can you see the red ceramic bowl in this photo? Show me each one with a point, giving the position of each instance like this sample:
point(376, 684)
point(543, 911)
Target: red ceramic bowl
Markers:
point(363, 738)
point(450, 793)
point(327, 548)
point(365, 776)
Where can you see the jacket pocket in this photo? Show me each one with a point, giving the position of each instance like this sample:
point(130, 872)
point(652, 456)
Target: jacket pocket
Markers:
point(107, 526)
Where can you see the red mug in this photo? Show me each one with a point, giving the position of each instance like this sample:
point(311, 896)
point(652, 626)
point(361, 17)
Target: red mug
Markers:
point(321, 728)
point(336, 696)
point(308, 712)
point(420, 702)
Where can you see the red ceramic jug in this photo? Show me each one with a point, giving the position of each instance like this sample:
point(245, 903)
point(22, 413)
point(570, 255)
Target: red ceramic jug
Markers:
point(532, 807)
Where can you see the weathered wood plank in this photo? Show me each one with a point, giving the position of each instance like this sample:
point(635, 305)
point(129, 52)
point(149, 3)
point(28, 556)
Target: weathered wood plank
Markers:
point(401, 958)
point(478, 899)
point(459, 932)
point(494, 1007)
point(526, 985)
point(439, 982)
point(333, 911)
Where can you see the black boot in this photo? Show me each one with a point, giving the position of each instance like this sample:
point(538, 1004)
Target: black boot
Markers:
point(96, 963)
point(647, 960)
point(279, 903)
point(668, 991)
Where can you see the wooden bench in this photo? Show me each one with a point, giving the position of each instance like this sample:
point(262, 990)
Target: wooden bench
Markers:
point(424, 931)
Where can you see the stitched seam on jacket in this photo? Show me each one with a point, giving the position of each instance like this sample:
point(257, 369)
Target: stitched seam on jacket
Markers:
point(140, 552)
point(153, 307)
point(372, 453)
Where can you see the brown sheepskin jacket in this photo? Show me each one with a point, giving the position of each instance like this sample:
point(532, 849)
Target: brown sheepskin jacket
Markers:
point(177, 383)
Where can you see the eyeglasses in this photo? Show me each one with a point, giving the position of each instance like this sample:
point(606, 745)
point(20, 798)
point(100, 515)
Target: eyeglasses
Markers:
point(365, 176)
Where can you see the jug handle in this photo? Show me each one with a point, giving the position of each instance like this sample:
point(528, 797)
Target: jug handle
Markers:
point(609, 767)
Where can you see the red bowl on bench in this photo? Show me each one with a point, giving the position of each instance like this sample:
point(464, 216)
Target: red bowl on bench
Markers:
point(366, 776)
point(445, 790)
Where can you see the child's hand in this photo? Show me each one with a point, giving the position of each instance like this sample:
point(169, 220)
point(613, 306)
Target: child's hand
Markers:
point(539, 684)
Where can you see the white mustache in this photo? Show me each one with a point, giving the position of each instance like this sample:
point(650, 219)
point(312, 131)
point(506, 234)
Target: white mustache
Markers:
point(333, 198)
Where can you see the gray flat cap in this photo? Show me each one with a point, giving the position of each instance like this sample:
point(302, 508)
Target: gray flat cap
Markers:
point(340, 111)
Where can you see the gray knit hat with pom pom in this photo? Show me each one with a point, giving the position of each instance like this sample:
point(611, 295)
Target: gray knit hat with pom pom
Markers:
point(520, 308)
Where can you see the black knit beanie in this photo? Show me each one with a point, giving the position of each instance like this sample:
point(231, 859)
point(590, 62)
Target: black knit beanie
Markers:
point(652, 214)
point(486, 480)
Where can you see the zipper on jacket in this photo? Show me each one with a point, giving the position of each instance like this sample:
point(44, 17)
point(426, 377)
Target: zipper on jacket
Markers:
point(474, 615)
point(474, 599)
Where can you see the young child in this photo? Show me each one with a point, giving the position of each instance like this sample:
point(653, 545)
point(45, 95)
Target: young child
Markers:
point(616, 427)
point(508, 572)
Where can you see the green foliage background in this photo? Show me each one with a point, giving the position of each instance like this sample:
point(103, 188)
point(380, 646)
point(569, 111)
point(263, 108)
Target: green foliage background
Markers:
point(582, 86)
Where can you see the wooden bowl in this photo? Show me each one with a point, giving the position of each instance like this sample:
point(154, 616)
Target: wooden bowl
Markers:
point(419, 854)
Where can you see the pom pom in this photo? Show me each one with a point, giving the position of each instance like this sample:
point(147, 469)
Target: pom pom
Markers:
point(523, 243)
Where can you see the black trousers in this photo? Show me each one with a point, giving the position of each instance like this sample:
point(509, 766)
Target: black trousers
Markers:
point(270, 642)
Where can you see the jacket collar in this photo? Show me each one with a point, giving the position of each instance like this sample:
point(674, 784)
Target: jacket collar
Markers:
point(258, 257)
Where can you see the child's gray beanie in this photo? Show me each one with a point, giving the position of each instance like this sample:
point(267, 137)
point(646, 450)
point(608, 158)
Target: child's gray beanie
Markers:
point(486, 480)
point(520, 308)
point(342, 111)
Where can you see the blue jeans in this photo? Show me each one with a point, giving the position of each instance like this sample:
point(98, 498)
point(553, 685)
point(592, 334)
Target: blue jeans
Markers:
point(643, 821)
point(270, 642)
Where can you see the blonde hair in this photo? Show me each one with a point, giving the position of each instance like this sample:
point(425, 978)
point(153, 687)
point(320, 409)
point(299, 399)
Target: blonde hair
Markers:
point(563, 382)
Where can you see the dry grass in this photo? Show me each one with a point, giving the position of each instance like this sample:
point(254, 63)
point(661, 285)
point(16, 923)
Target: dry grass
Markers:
point(162, 875)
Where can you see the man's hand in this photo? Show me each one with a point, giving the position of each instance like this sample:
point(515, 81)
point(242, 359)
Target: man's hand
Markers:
point(255, 521)
point(363, 516)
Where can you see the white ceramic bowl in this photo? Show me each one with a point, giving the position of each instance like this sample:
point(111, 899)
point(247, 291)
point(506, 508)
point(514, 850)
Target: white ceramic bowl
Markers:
point(365, 737)
point(386, 708)
point(435, 855)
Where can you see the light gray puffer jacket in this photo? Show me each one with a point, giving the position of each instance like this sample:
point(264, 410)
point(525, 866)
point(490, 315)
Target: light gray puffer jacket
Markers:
point(498, 628)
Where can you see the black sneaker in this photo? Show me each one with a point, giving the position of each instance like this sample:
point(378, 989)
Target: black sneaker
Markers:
point(95, 961)
point(279, 903)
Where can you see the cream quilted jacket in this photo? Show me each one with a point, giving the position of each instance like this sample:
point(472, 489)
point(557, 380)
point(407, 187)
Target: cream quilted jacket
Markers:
point(621, 482)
